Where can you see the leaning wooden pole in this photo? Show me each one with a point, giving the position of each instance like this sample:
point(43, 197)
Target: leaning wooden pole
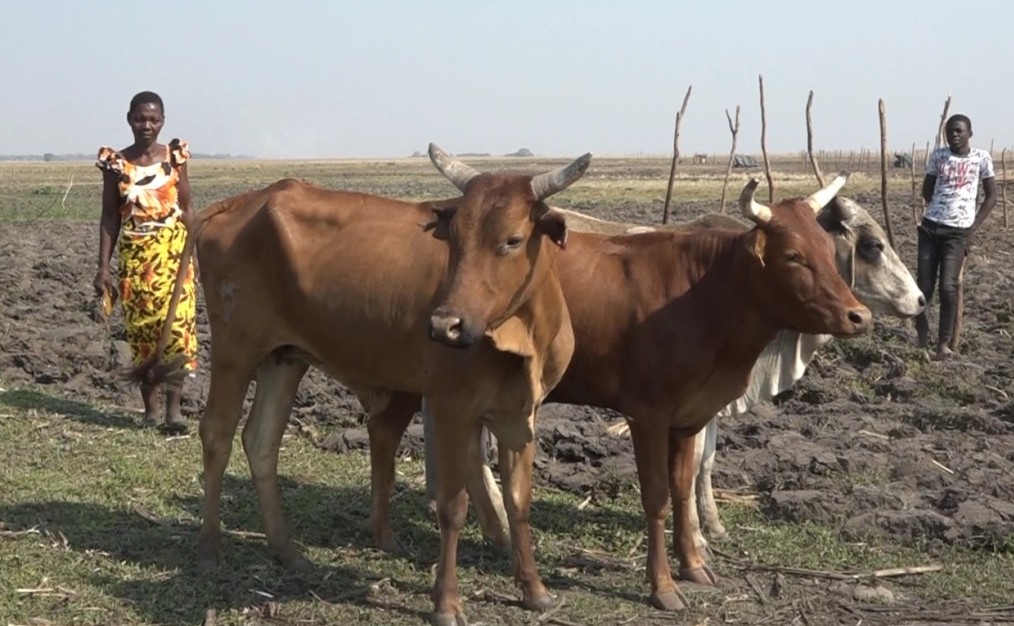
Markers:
point(915, 187)
point(675, 154)
point(943, 121)
point(764, 147)
point(883, 172)
point(734, 129)
point(1003, 184)
point(809, 141)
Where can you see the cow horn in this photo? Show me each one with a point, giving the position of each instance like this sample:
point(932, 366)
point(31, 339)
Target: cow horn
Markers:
point(819, 199)
point(750, 207)
point(455, 171)
point(545, 185)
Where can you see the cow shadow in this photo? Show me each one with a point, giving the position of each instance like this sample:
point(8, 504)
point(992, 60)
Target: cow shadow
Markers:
point(30, 399)
point(320, 516)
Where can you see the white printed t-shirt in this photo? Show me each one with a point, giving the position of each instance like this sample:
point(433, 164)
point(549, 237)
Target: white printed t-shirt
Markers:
point(958, 177)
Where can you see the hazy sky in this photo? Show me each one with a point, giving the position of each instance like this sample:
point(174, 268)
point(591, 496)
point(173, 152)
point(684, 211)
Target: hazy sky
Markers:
point(375, 78)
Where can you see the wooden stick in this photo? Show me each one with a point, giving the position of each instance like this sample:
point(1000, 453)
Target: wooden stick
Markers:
point(943, 120)
point(809, 141)
point(675, 154)
point(915, 194)
point(734, 129)
point(1003, 187)
point(883, 172)
point(764, 148)
point(881, 573)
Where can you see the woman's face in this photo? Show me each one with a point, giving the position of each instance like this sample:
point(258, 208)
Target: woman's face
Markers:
point(145, 121)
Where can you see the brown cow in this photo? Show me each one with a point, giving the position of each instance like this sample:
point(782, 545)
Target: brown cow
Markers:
point(357, 285)
point(716, 297)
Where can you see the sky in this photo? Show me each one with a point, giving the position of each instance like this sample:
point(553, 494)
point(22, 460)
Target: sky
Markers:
point(382, 79)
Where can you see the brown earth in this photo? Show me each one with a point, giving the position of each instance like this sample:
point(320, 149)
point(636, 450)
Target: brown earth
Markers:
point(875, 440)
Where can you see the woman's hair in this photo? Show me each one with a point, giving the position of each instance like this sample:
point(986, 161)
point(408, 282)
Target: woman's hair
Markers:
point(147, 97)
point(957, 117)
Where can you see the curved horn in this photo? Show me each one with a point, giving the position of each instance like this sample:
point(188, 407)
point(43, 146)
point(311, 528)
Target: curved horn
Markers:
point(455, 171)
point(819, 199)
point(750, 207)
point(545, 185)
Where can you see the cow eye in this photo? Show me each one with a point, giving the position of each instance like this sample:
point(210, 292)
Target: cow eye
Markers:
point(793, 256)
point(871, 248)
point(514, 242)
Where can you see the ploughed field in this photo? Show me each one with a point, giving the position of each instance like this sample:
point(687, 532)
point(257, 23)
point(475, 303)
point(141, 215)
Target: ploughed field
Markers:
point(878, 458)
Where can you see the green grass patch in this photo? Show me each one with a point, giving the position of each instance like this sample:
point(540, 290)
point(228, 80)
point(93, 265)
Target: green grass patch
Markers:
point(99, 517)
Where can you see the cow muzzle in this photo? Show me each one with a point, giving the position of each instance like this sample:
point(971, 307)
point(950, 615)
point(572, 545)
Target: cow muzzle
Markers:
point(858, 320)
point(448, 327)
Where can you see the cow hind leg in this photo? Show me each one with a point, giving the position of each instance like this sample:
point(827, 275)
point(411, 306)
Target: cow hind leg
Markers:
point(390, 414)
point(682, 461)
point(650, 456)
point(222, 411)
point(277, 381)
point(696, 495)
point(706, 494)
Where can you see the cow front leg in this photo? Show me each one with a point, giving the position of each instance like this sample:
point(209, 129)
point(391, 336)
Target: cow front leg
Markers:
point(489, 507)
point(217, 429)
point(450, 439)
point(650, 454)
point(682, 463)
point(516, 476)
point(390, 414)
point(277, 382)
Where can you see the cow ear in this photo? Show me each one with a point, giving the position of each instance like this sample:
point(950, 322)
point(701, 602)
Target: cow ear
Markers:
point(554, 224)
point(440, 225)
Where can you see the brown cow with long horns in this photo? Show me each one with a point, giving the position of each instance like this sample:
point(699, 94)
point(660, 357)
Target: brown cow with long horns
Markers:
point(358, 285)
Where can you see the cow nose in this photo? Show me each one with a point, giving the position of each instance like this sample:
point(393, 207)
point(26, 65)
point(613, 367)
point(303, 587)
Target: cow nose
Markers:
point(922, 301)
point(861, 319)
point(447, 327)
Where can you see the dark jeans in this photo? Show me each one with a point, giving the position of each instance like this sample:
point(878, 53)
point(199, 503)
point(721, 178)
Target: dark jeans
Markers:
point(942, 250)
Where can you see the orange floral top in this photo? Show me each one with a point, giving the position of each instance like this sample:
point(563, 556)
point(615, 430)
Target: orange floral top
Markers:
point(147, 192)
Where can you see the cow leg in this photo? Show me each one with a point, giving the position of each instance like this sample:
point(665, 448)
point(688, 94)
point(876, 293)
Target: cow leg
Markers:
point(681, 476)
point(226, 392)
point(488, 500)
point(451, 438)
point(696, 497)
point(387, 424)
point(516, 476)
point(650, 455)
point(277, 381)
point(706, 494)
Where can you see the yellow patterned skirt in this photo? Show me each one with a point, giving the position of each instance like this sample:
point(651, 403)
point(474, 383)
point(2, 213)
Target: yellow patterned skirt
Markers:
point(148, 261)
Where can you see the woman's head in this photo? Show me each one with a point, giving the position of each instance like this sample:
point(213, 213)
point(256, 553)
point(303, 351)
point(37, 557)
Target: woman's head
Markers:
point(146, 117)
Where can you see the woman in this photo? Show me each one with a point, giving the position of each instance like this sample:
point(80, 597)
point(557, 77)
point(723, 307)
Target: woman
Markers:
point(146, 201)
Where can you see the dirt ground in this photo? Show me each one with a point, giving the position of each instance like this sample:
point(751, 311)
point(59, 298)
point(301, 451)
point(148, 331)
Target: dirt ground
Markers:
point(875, 440)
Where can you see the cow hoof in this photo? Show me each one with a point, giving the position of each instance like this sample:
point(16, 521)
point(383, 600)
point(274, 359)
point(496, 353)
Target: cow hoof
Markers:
point(294, 562)
point(388, 543)
point(543, 603)
point(699, 576)
point(668, 600)
point(448, 619)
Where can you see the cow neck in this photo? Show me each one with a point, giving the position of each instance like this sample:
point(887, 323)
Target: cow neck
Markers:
point(723, 287)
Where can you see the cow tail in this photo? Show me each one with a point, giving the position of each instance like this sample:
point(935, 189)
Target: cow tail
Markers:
point(153, 371)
